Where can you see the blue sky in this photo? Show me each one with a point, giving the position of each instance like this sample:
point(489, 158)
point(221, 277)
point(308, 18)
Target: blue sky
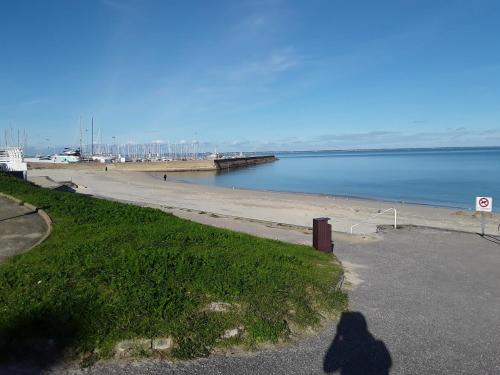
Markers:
point(253, 75)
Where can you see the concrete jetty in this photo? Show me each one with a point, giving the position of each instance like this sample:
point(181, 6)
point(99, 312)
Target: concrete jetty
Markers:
point(163, 166)
point(243, 161)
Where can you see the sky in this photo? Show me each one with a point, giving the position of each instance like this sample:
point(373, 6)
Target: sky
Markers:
point(252, 75)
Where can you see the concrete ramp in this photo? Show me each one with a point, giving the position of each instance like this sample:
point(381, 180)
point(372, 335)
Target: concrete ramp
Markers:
point(49, 183)
point(21, 228)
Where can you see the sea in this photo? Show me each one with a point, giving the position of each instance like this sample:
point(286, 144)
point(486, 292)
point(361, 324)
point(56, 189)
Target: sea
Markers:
point(438, 177)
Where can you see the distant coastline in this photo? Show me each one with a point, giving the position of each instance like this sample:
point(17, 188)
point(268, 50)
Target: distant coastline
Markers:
point(383, 149)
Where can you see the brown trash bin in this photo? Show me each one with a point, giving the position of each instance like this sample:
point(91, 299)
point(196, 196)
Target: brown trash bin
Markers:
point(322, 234)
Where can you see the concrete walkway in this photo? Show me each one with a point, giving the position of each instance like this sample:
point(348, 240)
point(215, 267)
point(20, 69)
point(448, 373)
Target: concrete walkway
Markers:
point(20, 228)
point(430, 299)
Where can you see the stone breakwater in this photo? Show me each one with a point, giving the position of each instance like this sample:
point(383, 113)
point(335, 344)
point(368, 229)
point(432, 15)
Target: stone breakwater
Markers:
point(243, 162)
point(165, 166)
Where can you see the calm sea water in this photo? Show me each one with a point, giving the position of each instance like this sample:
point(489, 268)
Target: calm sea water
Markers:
point(450, 178)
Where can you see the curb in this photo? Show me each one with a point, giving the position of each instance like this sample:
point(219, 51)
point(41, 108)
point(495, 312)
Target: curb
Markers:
point(41, 213)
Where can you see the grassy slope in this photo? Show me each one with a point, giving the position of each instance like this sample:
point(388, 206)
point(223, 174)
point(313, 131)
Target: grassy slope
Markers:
point(111, 271)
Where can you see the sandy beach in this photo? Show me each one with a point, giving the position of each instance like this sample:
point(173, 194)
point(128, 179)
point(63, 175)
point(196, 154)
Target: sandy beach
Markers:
point(189, 200)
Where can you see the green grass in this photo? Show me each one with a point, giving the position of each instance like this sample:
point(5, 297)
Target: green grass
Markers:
point(112, 271)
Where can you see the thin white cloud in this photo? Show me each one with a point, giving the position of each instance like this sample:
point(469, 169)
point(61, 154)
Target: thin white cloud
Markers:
point(31, 102)
point(277, 62)
point(460, 137)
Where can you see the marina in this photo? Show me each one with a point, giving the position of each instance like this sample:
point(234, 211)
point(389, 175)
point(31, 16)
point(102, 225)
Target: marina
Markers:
point(195, 165)
point(153, 156)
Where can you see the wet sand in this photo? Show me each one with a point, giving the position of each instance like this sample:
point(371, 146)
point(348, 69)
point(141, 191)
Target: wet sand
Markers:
point(208, 204)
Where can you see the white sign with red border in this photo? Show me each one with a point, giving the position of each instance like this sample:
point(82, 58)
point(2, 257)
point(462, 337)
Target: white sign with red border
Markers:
point(484, 204)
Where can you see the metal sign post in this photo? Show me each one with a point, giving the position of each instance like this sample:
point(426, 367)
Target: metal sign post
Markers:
point(483, 204)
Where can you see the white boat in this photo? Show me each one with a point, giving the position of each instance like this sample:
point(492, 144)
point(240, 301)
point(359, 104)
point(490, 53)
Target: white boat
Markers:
point(102, 159)
point(69, 155)
point(71, 152)
point(57, 159)
point(215, 155)
point(12, 161)
point(64, 158)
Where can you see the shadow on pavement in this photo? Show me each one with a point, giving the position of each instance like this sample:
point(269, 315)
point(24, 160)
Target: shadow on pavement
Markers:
point(65, 188)
point(488, 237)
point(354, 351)
point(18, 216)
point(24, 214)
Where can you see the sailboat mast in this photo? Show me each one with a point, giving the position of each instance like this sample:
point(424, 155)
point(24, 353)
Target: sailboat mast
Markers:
point(92, 147)
point(81, 137)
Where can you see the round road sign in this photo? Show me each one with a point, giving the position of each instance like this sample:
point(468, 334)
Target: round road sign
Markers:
point(484, 202)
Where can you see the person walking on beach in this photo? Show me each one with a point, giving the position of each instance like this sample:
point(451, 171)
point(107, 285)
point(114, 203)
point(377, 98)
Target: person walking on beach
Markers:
point(165, 177)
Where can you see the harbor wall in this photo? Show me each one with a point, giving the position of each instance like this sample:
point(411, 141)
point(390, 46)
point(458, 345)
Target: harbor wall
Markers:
point(243, 161)
point(164, 166)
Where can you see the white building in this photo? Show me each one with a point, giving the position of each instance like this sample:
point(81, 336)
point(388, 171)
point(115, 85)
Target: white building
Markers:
point(11, 161)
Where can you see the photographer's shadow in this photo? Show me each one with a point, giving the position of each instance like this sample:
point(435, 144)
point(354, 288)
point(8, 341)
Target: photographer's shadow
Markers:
point(354, 351)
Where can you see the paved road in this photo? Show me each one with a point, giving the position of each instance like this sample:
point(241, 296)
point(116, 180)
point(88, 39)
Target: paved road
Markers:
point(431, 300)
point(20, 228)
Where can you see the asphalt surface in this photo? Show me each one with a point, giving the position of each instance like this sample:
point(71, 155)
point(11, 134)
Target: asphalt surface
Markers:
point(430, 299)
point(20, 228)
